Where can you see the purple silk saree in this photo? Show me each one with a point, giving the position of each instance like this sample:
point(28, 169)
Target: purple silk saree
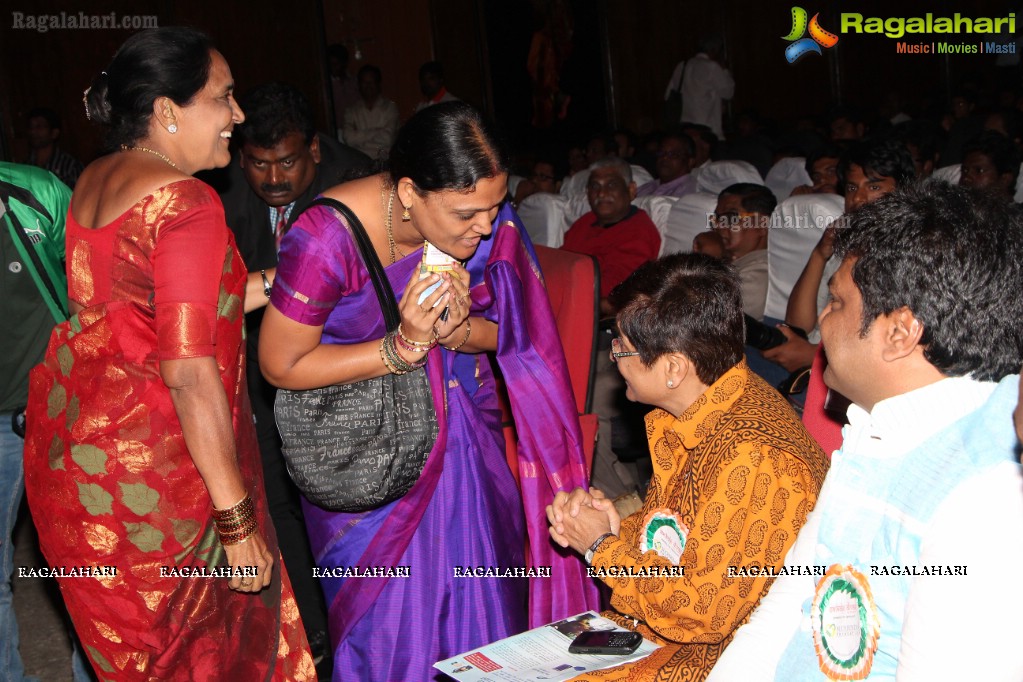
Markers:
point(466, 510)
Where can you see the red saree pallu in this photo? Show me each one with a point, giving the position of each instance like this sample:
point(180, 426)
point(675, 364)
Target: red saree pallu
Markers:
point(109, 479)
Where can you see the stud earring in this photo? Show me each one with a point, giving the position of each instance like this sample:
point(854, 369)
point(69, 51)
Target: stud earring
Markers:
point(172, 128)
point(405, 215)
point(671, 384)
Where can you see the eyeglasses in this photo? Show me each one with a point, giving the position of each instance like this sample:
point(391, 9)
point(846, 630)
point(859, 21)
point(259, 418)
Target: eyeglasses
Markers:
point(617, 352)
point(613, 186)
point(732, 221)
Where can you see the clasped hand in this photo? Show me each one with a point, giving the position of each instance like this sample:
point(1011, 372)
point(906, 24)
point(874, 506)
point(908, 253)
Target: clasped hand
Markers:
point(421, 321)
point(580, 517)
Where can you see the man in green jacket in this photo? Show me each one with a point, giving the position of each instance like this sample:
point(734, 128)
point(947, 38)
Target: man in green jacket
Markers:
point(33, 297)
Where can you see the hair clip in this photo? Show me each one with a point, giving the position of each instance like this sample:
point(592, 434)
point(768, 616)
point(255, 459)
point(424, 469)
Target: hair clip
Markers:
point(85, 101)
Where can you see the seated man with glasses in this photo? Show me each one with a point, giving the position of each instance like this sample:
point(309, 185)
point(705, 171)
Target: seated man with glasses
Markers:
point(620, 237)
point(742, 218)
point(541, 180)
point(735, 474)
point(674, 161)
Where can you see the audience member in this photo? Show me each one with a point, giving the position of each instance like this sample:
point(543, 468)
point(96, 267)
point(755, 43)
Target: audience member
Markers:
point(822, 167)
point(704, 141)
point(846, 124)
point(867, 172)
point(541, 180)
point(922, 509)
point(344, 88)
point(742, 218)
point(923, 140)
point(371, 124)
point(280, 156)
point(35, 295)
point(431, 84)
point(43, 132)
point(600, 146)
point(577, 160)
point(990, 164)
point(735, 473)
point(673, 161)
point(625, 144)
point(621, 237)
point(705, 82)
point(962, 124)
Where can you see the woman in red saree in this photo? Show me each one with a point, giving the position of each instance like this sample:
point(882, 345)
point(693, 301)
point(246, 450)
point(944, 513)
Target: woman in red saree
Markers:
point(142, 468)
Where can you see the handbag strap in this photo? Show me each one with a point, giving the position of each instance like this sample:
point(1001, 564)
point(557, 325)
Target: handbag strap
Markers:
point(385, 295)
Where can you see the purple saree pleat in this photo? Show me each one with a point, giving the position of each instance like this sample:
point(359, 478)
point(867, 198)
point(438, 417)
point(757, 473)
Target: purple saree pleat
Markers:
point(466, 510)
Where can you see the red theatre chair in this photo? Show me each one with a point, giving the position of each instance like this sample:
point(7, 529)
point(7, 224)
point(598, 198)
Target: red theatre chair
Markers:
point(573, 286)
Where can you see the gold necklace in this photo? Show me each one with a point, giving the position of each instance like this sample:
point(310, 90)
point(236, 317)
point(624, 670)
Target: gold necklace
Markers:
point(126, 148)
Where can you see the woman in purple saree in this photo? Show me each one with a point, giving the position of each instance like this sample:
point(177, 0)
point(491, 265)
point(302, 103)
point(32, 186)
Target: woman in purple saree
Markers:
point(466, 512)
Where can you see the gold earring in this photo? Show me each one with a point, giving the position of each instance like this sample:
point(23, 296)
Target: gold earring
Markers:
point(405, 215)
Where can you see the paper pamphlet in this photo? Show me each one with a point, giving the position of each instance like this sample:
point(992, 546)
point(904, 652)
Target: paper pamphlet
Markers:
point(539, 654)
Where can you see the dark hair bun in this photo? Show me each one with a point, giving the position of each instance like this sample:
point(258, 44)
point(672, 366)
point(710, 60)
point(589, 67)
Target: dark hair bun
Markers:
point(171, 62)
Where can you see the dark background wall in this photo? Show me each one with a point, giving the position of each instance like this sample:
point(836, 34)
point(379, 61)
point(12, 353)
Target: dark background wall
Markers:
point(622, 54)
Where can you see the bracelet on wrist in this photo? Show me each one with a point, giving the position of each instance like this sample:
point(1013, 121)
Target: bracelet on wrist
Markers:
point(400, 340)
point(468, 331)
point(235, 523)
point(393, 360)
point(596, 545)
point(267, 287)
point(417, 344)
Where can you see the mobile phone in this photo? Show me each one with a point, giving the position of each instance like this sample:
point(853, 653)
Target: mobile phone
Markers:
point(434, 260)
point(606, 642)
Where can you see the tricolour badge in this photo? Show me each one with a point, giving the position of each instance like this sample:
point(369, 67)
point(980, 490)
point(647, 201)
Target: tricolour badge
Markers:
point(664, 533)
point(845, 624)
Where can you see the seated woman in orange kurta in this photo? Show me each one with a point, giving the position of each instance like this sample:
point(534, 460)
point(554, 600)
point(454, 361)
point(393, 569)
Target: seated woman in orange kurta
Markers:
point(735, 473)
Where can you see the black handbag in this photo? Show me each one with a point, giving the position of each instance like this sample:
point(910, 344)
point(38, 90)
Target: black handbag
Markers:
point(353, 447)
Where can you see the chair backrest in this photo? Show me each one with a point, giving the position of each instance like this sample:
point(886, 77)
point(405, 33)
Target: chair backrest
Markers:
point(949, 174)
point(686, 219)
point(544, 216)
point(575, 208)
point(659, 210)
point(513, 183)
point(573, 286)
point(717, 175)
point(786, 175)
point(796, 226)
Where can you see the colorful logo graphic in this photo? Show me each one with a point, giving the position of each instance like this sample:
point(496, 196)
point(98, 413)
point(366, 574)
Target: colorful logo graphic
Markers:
point(803, 46)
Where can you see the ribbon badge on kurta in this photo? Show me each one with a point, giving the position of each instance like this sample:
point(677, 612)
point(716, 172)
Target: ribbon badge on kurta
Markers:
point(845, 624)
point(664, 533)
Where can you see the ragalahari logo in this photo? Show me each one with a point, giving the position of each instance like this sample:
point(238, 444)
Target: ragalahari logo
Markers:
point(801, 46)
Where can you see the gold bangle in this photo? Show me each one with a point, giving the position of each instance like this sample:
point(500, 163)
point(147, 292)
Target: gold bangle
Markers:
point(418, 344)
point(468, 330)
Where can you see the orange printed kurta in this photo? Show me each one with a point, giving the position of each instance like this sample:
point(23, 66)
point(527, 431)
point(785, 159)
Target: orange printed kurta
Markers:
point(740, 473)
point(108, 477)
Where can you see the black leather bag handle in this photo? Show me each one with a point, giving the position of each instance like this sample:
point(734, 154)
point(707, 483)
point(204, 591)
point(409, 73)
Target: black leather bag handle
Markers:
point(385, 295)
